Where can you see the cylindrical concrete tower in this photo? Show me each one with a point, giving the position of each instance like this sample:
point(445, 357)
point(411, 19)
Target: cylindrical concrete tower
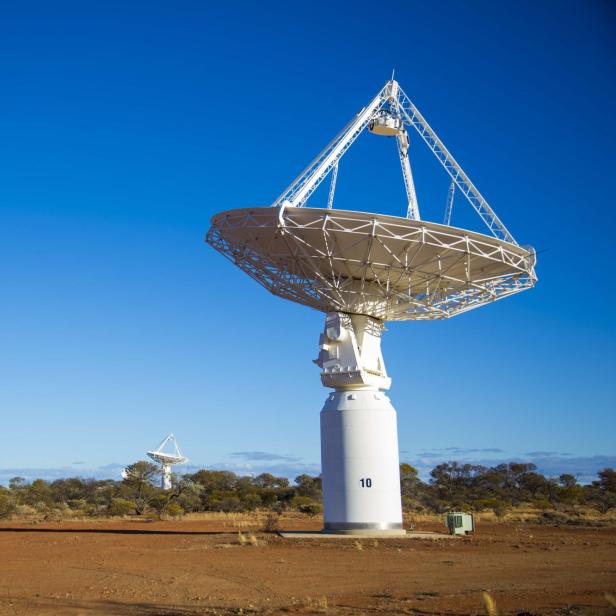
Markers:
point(359, 459)
point(359, 437)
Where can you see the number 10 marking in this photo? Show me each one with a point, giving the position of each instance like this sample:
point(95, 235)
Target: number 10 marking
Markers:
point(366, 482)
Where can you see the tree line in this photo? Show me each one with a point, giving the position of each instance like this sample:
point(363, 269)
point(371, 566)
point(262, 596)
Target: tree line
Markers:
point(451, 486)
point(474, 487)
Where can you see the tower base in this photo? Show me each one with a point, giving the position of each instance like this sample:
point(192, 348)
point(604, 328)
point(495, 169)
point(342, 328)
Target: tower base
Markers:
point(360, 464)
point(365, 532)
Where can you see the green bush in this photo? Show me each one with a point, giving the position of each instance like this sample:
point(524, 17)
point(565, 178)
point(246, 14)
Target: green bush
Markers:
point(121, 506)
point(251, 501)
point(7, 506)
point(41, 507)
point(229, 503)
point(304, 504)
point(543, 504)
point(189, 501)
point(490, 503)
point(312, 509)
point(452, 486)
point(174, 510)
point(77, 504)
point(92, 510)
point(159, 503)
point(299, 501)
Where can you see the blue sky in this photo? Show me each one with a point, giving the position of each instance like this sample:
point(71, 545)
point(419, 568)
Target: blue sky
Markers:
point(125, 128)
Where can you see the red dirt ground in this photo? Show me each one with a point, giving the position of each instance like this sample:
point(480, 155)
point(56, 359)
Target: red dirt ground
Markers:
point(187, 568)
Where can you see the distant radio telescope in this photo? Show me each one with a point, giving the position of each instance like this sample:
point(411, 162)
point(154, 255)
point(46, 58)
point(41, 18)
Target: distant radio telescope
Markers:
point(167, 460)
point(363, 269)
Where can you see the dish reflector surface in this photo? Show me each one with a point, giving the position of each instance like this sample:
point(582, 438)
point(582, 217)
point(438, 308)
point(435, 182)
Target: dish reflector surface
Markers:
point(166, 458)
point(387, 267)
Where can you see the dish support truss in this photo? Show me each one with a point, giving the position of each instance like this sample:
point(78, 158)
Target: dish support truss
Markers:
point(393, 97)
point(434, 271)
point(174, 444)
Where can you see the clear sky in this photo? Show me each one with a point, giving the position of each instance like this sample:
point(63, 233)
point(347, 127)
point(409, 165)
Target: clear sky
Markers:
point(125, 126)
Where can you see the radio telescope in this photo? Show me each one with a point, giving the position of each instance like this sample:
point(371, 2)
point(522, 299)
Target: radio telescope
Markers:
point(167, 460)
point(361, 270)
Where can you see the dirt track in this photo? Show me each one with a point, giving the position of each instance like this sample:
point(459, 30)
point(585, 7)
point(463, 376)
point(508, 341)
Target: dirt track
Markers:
point(189, 568)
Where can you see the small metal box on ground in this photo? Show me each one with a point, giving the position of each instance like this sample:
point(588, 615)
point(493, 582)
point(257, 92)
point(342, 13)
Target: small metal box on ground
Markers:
point(460, 523)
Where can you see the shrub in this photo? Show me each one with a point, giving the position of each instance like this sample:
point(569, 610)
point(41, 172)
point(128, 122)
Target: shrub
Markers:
point(226, 503)
point(299, 501)
point(53, 515)
point(121, 506)
point(159, 503)
point(543, 504)
point(279, 507)
point(553, 517)
point(174, 510)
point(306, 505)
point(25, 510)
point(77, 504)
point(271, 524)
point(500, 510)
point(498, 506)
point(251, 501)
point(93, 510)
point(41, 507)
point(7, 506)
point(189, 501)
point(311, 509)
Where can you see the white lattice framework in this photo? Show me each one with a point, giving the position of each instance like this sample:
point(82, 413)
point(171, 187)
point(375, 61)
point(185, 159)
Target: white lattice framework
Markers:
point(451, 193)
point(174, 456)
point(386, 267)
point(392, 97)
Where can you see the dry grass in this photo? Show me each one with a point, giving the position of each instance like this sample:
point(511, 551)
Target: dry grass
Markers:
point(318, 604)
point(523, 513)
point(489, 604)
point(272, 523)
point(249, 539)
point(267, 521)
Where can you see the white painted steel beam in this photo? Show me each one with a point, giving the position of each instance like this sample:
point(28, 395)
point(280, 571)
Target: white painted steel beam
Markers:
point(300, 190)
point(468, 189)
point(449, 207)
point(332, 187)
point(412, 211)
point(298, 193)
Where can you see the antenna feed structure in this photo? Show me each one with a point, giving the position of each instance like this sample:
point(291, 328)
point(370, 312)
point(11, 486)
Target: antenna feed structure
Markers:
point(386, 123)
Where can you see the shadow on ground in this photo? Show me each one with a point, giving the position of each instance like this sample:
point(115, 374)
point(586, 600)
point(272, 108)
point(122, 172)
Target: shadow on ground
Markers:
point(114, 531)
point(45, 607)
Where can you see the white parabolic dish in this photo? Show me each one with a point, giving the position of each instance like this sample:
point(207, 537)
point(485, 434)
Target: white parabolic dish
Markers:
point(387, 267)
point(166, 458)
point(362, 269)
